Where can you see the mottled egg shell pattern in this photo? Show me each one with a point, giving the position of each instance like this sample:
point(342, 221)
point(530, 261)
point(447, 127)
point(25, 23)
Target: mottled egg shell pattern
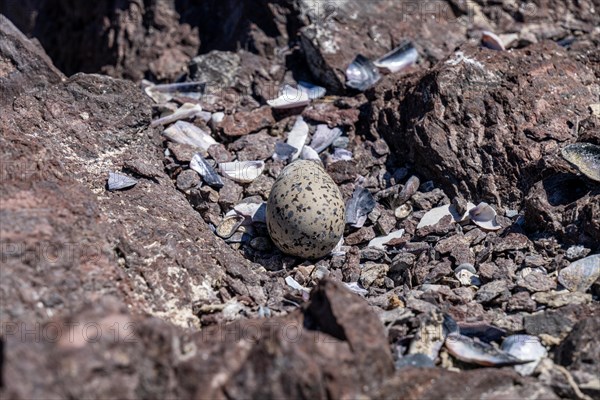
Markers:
point(305, 211)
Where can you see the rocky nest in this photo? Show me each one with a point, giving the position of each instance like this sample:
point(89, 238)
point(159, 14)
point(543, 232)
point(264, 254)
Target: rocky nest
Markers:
point(136, 257)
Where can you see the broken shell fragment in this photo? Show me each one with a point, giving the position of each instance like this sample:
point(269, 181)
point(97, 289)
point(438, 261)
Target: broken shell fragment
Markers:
point(525, 347)
point(434, 215)
point(473, 351)
point(466, 275)
point(403, 211)
point(242, 171)
point(340, 154)
point(584, 156)
point(297, 136)
point(308, 153)
point(361, 204)
point(291, 282)
point(186, 133)
point(484, 216)
point(324, 137)
point(165, 92)
point(284, 152)
point(356, 288)
point(362, 74)
point(229, 226)
point(398, 59)
point(313, 91)
point(492, 41)
point(208, 174)
point(186, 111)
point(119, 181)
point(255, 212)
point(290, 97)
point(580, 275)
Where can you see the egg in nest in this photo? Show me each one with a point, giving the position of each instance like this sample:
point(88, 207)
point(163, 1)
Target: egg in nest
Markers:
point(305, 211)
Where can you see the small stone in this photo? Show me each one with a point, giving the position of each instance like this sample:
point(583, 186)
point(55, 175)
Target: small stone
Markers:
point(496, 290)
point(258, 146)
point(380, 147)
point(245, 122)
point(261, 186)
point(187, 180)
point(342, 171)
point(521, 301)
point(536, 281)
point(361, 236)
point(261, 243)
point(556, 299)
point(219, 153)
point(373, 274)
point(229, 195)
point(512, 241)
point(576, 252)
point(182, 152)
point(386, 222)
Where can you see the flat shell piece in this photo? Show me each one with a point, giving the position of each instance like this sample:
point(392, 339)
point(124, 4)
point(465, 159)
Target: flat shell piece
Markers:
point(165, 92)
point(484, 216)
point(290, 97)
point(580, 275)
point(208, 174)
point(119, 181)
point(255, 212)
point(284, 152)
point(229, 226)
point(313, 91)
point(362, 74)
point(297, 136)
point(324, 137)
point(398, 59)
point(584, 156)
point(308, 153)
point(434, 215)
point(186, 111)
point(361, 204)
point(291, 282)
point(475, 352)
point(491, 41)
point(525, 347)
point(340, 154)
point(379, 242)
point(190, 134)
point(356, 288)
point(242, 171)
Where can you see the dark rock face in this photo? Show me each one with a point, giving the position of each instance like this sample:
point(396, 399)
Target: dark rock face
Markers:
point(464, 126)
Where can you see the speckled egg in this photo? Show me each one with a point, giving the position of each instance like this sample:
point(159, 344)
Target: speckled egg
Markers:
point(305, 211)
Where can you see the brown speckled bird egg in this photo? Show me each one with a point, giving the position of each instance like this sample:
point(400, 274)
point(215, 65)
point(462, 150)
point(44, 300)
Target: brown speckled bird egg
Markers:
point(305, 211)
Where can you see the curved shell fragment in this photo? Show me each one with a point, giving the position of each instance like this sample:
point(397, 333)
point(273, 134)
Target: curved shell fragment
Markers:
point(118, 181)
point(204, 169)
point(186, 133)
point(242, 171)
point(398, 59)
point(584, 156)
point(434, 215)
point(290, 97)
point(362, 74)
point(297, 136)
point(484, 216)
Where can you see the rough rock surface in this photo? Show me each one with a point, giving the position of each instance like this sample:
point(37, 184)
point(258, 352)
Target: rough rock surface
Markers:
point(132, 291)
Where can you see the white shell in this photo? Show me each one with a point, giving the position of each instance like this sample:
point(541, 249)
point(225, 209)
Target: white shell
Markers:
point(186, 133)
point(324, 137)
point(434, 215)
point(313, 91)
point(290, 97)
point(254, 212)
point(242, 171)
point(308, 153)
point(186, 111)
point(119, 181)
point(297, 136)
point(492, 41)
point(356, 288)
point(379, 242)
point(165, 92)
point(398, 59)
point(291, 282)
point(484, 217)
point(525, 347)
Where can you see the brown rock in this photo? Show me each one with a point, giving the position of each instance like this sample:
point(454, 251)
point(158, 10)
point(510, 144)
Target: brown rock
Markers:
point(245, 122)
point(360, 236)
